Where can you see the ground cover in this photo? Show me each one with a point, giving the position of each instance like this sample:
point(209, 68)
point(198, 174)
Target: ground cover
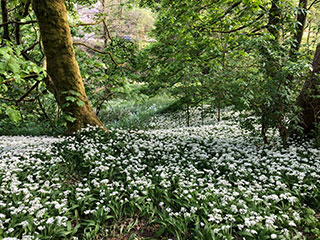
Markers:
point(204, 182)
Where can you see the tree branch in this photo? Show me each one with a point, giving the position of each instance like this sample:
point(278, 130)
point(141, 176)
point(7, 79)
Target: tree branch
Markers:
point(87, 24)
point(313, 3)
point(17, 22)
point(28, 92)
point(13, 79)
point(26, 9)
point(242, 27)
point(98, 51)
point(236, 4)
point(29, 48)
point(107, 30)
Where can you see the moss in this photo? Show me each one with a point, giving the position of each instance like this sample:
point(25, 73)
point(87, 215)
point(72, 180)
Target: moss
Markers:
point(62, 66)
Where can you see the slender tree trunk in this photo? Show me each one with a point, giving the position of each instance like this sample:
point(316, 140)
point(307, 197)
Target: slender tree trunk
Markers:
point(274, 19)
point(105, 28)
point(62, 66)
point(309, 34)
point(301, 19)
point(5, 19)
point(120, 9)
point(309, 100)
point(17, 32)
point(188, 115)
point(219, 107)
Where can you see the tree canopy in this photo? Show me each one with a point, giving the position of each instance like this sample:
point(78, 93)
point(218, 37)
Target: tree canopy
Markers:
point(251, 55)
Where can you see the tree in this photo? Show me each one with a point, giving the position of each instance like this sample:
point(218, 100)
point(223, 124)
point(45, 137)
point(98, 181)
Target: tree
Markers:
point(4, 11)
point(309, 98)
point(64, 79)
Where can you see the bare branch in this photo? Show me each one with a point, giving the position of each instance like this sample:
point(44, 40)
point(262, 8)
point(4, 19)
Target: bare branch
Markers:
point(87, 24)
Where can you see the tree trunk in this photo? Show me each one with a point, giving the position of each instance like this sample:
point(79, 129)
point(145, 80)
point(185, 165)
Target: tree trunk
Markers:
point(301, 19)
point(309, 100)
point(4, 10)
point(274, 19)
point(62, 66)
point(105, 27)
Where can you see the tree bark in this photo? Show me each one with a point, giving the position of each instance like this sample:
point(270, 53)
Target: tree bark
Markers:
point(106, 34)
point(62, 66)
point(4, 10)
point(309, 100)
point(274, 19)
point(301, 20)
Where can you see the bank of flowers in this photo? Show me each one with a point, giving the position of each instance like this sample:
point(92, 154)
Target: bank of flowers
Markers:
point(206, 182)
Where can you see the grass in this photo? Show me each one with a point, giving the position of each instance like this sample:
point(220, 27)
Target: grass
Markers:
point(203, 182)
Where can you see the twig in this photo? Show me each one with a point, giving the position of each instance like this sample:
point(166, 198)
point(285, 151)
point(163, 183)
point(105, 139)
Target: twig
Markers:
point(87, 24)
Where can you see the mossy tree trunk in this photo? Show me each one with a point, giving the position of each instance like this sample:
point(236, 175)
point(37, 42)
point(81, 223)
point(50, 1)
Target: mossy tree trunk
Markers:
point(62, 67)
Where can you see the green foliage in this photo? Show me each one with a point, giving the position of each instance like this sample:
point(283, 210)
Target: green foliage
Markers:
point(16, 74)
point(105, 74)
point(211, 53)
point(136, 114)
point(221, 54)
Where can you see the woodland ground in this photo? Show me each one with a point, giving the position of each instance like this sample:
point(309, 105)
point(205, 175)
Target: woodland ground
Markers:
point(167, 181)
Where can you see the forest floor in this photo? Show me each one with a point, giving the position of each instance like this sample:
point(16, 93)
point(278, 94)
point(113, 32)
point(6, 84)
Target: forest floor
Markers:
point(170, 181)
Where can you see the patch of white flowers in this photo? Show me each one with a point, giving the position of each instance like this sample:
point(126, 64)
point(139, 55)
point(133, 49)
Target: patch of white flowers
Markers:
point(214, 179)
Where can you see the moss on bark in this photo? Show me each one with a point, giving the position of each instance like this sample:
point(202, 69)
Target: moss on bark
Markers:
point(61, 62)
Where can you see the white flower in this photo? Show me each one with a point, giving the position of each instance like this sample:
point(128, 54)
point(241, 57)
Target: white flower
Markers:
point(41, 228)
point(24, 223)
point(273, 236)
point(50, 220)
point(292, 224)
point(10, 230)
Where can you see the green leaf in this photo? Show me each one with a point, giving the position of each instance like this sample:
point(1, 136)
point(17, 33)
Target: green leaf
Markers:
point(69, 118)
point(132, 237)
point(80, 103)
point(70, 98)
point(4, 88)
point(2, 66)
point(13, 114)
point(75, 229)
point(160, 231)
point(14, 67)
point(74, 93)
